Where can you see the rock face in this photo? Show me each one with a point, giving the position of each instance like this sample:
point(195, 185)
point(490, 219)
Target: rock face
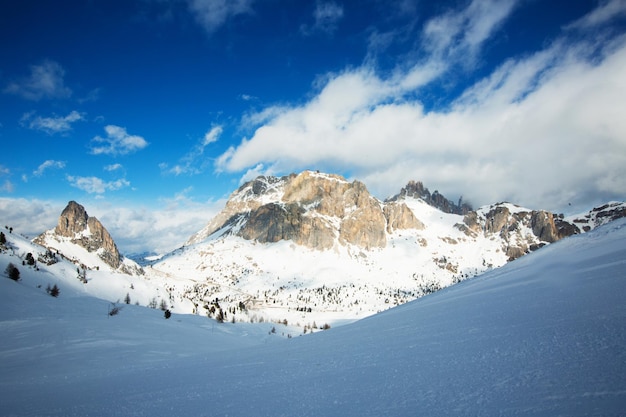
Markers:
point(311, 209)
point(320, 211)
point(75, 224)
point(415, 189)
point(521, 230)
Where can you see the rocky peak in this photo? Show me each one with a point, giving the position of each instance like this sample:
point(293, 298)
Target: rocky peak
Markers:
point(521, 230)
point(312, 209)
point(83, 230)
point(73, 220)
point(416, 189)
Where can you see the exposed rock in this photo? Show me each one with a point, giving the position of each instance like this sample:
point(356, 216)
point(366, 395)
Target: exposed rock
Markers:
point(311, 209)
point(416, 189)
point(512, 227)
point(399, 217)
point(75, 224)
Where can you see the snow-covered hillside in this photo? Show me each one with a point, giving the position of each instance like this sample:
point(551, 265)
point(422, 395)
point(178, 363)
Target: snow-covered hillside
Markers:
point(285, 281)
point(543, 335)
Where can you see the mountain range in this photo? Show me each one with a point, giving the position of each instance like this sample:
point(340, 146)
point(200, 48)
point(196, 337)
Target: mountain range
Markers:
point(543, 335)
point(314, 248)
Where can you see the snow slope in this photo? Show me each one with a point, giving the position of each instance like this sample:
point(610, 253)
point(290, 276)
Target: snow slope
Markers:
point(543, 335)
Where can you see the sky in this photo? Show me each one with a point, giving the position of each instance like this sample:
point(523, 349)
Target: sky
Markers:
point(151, 112)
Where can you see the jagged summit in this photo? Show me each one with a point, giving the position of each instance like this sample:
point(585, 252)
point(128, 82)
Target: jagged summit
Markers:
point(415, 189)
point(77, 227)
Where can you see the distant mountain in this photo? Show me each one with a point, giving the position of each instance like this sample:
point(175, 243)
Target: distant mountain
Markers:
point(76, 227)
point(415, 189)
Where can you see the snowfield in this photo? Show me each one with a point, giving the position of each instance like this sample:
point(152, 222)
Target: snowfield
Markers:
point(544, 335)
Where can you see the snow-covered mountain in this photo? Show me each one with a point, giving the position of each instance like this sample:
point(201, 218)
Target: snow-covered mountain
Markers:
point(310, 250)
point(543, 335)
point(314, 247)
point(89, 242)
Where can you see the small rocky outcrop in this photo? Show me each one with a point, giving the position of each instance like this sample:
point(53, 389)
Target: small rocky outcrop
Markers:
point(400, 217)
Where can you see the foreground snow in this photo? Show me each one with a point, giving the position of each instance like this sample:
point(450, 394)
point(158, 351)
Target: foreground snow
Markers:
point(543, 335)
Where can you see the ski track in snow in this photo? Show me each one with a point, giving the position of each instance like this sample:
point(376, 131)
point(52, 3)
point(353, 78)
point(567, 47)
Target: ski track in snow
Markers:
point(543, 335)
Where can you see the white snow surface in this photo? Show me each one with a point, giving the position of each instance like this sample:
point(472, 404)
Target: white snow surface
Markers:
point(544, 335)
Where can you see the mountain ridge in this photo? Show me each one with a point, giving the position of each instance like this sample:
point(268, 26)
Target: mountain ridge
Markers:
point(314, 247)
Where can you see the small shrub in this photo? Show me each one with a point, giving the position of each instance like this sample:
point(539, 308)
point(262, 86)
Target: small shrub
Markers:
point(163, 305)
point(167, 314)
point(326, 326)
point(12, 272)
point(54, 291)
point(114, 311)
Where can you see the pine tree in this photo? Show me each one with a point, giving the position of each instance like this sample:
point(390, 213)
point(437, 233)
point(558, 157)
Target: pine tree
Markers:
point(127, 298)
point(3, 238)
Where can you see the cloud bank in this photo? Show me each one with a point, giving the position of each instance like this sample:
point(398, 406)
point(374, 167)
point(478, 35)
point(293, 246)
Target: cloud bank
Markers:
point(544, 130)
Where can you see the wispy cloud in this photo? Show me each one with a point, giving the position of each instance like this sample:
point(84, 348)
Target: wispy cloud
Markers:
point(326, 17)
point(7, 186)
point(504, 137)
point(48, 164)
point(95, 185)
point(458, 35)
point(51, 125)
point(606, 11)
point(117, 142)
point(194, 162)
point(44, 82)
point(113, 167)
point(212, 14)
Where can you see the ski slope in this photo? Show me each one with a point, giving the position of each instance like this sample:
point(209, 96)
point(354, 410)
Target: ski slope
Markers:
point(543, 335)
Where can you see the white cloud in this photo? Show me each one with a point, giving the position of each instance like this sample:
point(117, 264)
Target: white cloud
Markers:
point(141, 229)
point(45, 81)
point(29, 217)
point(326, 17)
point(459, 35)
point(95, 185)
point(212, 135)
point(608, 10)
point(543, 130)
point(47, 165)
point(212, 14)
point(117, 142)
point(113, 167)
point(51, 125)
point(7, 186)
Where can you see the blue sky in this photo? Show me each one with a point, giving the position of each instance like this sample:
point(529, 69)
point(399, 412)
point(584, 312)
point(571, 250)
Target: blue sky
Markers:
point(150, 112)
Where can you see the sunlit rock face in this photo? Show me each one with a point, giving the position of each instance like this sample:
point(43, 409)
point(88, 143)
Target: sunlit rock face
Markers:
point(311, 209)
point(74, 223)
